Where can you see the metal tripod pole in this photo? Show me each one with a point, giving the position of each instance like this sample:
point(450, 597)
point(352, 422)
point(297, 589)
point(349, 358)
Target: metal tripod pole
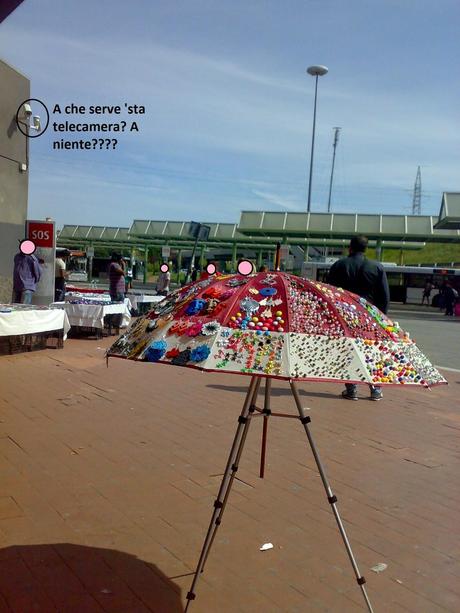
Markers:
point(227, 481)
point(266, 413)
point(234, 468)
point(332, 499)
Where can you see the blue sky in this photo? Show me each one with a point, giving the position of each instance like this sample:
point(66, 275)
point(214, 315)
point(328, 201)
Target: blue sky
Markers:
point(229, 105)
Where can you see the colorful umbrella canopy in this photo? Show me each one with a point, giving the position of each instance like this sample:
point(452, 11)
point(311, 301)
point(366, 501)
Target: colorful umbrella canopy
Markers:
point(277, 325)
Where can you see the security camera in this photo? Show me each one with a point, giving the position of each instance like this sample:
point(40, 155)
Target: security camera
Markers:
point(36, 124)
point(27, 109)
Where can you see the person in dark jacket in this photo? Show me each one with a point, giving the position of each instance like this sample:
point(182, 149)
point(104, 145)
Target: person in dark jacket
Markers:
point(450, 298)
point(366, 278)
point(26, 275)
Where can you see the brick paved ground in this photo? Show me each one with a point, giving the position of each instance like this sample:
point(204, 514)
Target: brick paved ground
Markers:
point(107, 478)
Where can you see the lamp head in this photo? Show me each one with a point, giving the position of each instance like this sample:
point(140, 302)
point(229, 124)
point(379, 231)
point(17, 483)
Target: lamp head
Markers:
point(317, 71)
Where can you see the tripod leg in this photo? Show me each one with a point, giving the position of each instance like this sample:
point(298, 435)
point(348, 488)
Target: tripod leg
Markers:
point(267, 413)
point(227, 481)
point(332, 499)
point(234, 468)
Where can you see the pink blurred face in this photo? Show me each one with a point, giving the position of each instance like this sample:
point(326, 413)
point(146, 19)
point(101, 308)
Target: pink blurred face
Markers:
point(27, 247)
point(245, 267)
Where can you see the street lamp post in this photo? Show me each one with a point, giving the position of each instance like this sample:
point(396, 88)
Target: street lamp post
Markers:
point(315, 71)
point(334, 145)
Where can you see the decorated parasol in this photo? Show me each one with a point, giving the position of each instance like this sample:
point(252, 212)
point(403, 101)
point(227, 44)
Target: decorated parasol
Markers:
point(273, 325)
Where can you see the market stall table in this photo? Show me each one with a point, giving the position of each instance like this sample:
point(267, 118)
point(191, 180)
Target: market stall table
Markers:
point(29, 327)
point(141, 302)
point(91, 315)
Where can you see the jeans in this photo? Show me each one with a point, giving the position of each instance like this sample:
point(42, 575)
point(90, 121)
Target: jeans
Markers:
point(23, 296)
point(59, 295)
point(352, 388)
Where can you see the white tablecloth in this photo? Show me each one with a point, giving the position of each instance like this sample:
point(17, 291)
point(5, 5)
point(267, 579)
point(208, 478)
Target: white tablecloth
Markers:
point(137, 299)
point(92, 315)
point(33, 322)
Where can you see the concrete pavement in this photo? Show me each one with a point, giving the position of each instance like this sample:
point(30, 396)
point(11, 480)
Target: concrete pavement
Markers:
point(108, 476)
point(435, 333)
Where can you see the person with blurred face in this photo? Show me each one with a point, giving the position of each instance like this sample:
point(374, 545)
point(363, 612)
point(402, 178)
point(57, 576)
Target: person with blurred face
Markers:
point(368, 279)
point(26, 275)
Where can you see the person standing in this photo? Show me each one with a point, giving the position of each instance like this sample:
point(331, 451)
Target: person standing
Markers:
point(368, 279)
point(26, 275)
point(164, 279)
point(427, 292)
point(60, 275)
point(116, 278)
point(442, 296)
point(116, 288)
point(450, 298)
point(210, 270)
point(129, 277)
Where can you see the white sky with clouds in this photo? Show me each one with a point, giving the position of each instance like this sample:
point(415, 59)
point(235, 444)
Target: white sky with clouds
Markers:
point(229, 105)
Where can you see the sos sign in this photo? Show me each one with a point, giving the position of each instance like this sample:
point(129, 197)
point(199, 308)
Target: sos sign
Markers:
point(41, 233)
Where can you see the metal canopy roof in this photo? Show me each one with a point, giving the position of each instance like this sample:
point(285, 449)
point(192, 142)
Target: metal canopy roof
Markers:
point(175, 233)
point(178, 230)
point(228, 233)
point(155, 233)
point(378, 227)
point(449, 214)
point(94, 233)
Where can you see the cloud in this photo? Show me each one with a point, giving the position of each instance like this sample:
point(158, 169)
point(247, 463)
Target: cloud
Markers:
point(277, 200)
point(217, 104)
point(222, 131)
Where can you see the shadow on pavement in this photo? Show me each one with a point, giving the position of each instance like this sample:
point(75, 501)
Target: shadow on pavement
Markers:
point(77, 579)
point(277, 391)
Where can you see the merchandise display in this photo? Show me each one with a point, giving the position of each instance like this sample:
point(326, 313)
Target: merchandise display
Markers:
point(277, 325)
point(273, 325)
point(85, 290)
point(87, 298)
point(16, 307)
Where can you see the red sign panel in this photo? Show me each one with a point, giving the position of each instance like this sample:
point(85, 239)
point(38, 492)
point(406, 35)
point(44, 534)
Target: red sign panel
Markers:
point(41, 233)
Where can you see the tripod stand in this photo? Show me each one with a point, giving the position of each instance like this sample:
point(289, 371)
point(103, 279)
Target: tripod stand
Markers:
point(244, 420)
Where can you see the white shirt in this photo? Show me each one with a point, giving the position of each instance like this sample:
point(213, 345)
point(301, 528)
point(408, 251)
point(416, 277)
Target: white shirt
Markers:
point(59, 266)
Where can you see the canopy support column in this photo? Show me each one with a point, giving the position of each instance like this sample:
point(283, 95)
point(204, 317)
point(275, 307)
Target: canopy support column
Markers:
point(90, 266)
point(259, 259)
point(202, 255)
point(179, 264)
point(146, 259)
point(234, 256)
